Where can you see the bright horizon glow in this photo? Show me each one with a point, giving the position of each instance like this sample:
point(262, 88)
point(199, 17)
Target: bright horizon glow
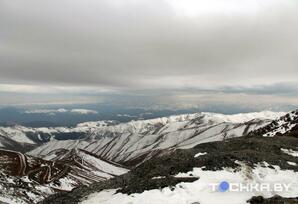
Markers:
point(193, 8)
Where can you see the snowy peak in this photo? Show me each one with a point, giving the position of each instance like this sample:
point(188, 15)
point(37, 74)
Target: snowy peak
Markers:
point(244, 117)
point(206, 117)
point(177, 121)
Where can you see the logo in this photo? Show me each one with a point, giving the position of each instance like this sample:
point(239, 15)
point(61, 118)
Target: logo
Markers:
point(225, 186)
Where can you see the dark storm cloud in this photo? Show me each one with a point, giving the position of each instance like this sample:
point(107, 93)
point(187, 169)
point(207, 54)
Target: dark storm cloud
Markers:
point(148, 44)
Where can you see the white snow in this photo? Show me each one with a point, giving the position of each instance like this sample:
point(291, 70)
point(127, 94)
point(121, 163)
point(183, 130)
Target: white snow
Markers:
point(49, 157)
point(16, 134)
point(104, 166)
point(290, 152)
point(45, 189)
point(32, 196)
point(283, 125)
point(201, 191)
point(244, 117)
point(292, 163)
point(66, 184)
point(10, 200)
point(281, 129)
point(158, 177)
point(126, 141)
point(200, 154)
point(12, 190)
point(83, 111)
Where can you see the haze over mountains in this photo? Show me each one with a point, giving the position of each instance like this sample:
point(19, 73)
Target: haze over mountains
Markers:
point(70, 115)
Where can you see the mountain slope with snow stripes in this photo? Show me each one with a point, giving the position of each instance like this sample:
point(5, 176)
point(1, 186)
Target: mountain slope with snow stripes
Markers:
point(134, 140)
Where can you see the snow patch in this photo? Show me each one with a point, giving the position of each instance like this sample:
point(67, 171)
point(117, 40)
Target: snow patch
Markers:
point(200, 154)
point(200, 190)
point(292, 163)
point(290, 152)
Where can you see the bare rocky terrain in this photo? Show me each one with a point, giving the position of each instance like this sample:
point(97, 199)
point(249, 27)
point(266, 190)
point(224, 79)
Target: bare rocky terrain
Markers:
point(224, 154)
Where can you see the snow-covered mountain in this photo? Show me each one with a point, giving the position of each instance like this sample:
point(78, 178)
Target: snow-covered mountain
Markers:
point(285, 125)
point(204, 174)
point(176, 154)
point(20, 138)
point(135, 141)
point(85, 167)
point(27, 179)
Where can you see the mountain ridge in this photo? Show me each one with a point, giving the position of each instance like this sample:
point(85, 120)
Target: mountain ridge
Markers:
point(126, 142)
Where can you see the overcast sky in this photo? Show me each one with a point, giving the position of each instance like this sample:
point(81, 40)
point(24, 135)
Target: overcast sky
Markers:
point(205, 50)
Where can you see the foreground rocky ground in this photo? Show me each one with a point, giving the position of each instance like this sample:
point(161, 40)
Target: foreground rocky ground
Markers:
point(273, 200)
point(214, 156)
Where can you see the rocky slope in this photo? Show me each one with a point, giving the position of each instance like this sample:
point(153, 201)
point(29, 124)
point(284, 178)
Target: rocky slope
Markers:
point(185, 175)
point(26, 179)
point(285, 125)
point(85, 167)
point(133, 142)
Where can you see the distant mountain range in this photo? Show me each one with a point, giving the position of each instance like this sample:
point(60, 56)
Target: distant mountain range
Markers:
point(125, 142)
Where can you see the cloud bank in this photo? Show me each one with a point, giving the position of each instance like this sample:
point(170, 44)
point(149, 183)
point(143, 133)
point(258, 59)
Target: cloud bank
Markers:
point(61, 110)
point(86, 49)
point(149, 44)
